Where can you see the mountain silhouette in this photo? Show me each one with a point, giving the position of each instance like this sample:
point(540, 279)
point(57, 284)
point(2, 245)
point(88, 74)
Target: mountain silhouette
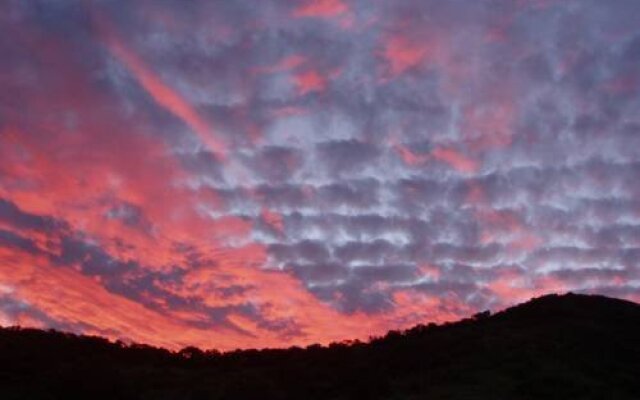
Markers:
point(552, 347)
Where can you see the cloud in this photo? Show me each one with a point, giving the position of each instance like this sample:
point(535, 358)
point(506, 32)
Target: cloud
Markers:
point(164, 95)
point(229, 174)
point(321, 8)
point(456, 160)
point(345, 156)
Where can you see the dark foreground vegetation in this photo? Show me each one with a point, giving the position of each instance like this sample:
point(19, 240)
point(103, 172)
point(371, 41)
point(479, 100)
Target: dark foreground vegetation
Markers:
point(553, 347)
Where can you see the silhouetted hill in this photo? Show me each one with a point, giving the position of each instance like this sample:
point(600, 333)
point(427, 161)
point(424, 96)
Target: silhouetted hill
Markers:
point(553, 347)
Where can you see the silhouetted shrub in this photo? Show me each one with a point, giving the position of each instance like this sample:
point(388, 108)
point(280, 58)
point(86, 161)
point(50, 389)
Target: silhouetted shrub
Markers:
point(571, 346)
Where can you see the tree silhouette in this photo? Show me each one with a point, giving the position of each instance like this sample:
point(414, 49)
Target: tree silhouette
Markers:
point(553, 347)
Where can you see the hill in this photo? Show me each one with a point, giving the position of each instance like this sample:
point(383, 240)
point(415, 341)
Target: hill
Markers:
point(553, 347)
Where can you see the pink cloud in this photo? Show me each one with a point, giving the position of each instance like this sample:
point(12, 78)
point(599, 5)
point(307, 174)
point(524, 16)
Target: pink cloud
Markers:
point(403, 55)
point(309, 81)
point(456, 160)
point(162, 93)
point(321, 9)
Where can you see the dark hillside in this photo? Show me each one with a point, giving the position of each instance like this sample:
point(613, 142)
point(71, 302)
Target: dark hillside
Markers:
point(553, 347)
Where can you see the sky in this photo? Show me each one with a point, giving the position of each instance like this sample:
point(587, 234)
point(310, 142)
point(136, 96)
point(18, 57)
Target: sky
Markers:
point(248, 174)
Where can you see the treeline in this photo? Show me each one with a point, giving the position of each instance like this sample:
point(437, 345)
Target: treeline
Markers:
point(570, 346)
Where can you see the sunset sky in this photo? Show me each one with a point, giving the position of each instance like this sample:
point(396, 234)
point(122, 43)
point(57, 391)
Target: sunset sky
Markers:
point(235, 174)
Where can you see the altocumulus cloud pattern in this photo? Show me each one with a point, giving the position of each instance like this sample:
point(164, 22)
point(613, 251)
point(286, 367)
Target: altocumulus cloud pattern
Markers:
point(265, 173)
